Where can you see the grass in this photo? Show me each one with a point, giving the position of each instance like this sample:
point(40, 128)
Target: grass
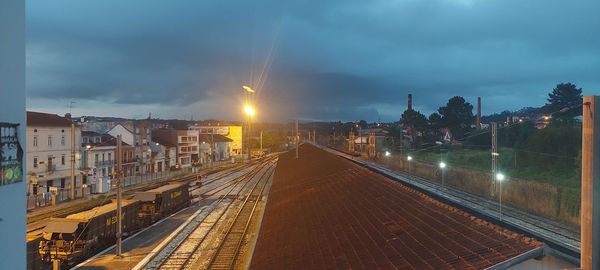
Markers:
point(560, 172)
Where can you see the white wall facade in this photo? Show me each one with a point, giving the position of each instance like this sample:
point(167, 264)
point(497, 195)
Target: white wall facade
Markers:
point(49, 156)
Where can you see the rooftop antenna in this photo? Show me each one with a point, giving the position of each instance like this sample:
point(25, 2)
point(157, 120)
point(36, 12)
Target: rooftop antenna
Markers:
point(71, 106)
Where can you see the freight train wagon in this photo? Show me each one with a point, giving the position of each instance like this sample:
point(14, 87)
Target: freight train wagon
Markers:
point(162, 201)
point(80, 234)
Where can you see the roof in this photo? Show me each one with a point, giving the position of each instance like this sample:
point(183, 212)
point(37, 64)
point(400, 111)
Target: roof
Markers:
point(166, 187)
point(100, 210)
point(38, 119)
point(61, 225)
point(165, 137)
point(105, 140)
point(163, 140)
point(214, 138)
point(325, 212)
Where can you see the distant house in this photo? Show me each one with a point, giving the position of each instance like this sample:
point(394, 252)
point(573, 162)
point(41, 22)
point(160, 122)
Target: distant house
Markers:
point(187, 145)
point(229, 131)
point(221, 147)
point(49, 151)
point(99, 159)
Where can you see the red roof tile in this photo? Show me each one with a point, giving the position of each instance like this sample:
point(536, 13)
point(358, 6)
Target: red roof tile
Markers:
point(324, 212)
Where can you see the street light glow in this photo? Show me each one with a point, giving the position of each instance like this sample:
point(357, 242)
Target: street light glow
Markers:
point(248, 89)
point(409, 158)
point(500, 177)
point(387, 153)
point(88, 146)
point(249, 110)
point(442, 165)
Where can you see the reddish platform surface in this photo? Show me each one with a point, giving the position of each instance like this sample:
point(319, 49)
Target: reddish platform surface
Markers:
point(325, 212)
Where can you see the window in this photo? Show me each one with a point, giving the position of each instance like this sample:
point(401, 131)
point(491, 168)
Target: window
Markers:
point(103, 157)
point(62, 160)
point(35, 162)
point(62, 140)
point(35, 141)
point(109, 156)
point(96, 158)
point(49, 141)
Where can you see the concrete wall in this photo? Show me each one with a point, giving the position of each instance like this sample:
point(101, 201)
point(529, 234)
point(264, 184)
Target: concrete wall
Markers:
point(12, 109)
point(531, 196)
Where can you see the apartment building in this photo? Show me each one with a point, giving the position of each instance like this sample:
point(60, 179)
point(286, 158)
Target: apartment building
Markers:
point(187, 142)
point(49, 152)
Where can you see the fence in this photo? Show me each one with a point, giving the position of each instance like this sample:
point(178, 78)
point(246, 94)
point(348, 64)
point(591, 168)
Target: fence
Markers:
point(535, 197)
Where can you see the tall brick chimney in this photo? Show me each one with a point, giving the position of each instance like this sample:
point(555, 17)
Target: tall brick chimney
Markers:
point(478, 112)
point(410, 102)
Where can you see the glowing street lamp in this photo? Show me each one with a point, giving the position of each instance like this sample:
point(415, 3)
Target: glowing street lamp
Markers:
point(248, 89)
point(387, 153)
point(443, 167)
point(249, 110)
point(500, 178)
point(409, 158)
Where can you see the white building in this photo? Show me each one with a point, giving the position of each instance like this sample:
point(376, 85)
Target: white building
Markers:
point(99, 159)
point(187, 142)
point(49, 151)
point(136, 134)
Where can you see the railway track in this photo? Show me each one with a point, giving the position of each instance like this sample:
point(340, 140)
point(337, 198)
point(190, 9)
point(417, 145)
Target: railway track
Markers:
point(184, 252)
point(229, 248)
point(34, 230)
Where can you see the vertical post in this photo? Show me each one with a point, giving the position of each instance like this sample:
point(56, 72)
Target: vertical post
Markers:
point(72, 194)
point(119, 195)
point(55, 264)
point(494, 156)
point(478, 113)
point(297, 138)
point(248, 137)
point(590, 184)
point(500, 198)
point(261, 144)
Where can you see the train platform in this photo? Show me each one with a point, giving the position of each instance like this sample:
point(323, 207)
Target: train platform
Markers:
point(325, 212)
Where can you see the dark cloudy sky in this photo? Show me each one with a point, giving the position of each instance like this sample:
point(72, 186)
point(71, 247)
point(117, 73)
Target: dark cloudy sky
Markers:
point(328, 60)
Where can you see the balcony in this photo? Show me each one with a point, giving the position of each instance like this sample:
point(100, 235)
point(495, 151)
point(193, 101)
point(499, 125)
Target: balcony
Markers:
point(104, 163)
point(50, 168)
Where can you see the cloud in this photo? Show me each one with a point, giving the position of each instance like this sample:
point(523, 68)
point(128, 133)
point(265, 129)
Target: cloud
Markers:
point(329, 60)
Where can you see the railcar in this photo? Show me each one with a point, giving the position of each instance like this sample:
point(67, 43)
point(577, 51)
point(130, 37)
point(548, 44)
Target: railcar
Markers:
point(162, 201)
point(67, 239)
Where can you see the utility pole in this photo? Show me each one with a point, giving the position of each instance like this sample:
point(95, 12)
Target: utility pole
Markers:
point(261, 145)
point(590, 184)
point(314, 136)
point(494, 155)
point(119, 195)
point(297, 138)
point(249, 138)
point(72, 191)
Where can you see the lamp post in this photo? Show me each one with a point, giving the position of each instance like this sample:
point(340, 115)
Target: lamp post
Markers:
point(443, 168)
point(409, 159)
point(249, 110)
point(500, 178)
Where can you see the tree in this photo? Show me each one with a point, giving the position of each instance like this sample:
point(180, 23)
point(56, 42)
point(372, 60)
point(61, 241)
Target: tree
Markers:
point(413, 119)
point(457, 115)
point(564, 101)
point(435, 121)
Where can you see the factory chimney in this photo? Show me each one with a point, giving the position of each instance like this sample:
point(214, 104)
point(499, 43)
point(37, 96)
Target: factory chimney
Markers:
point(478, 112)
point(410, 102)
